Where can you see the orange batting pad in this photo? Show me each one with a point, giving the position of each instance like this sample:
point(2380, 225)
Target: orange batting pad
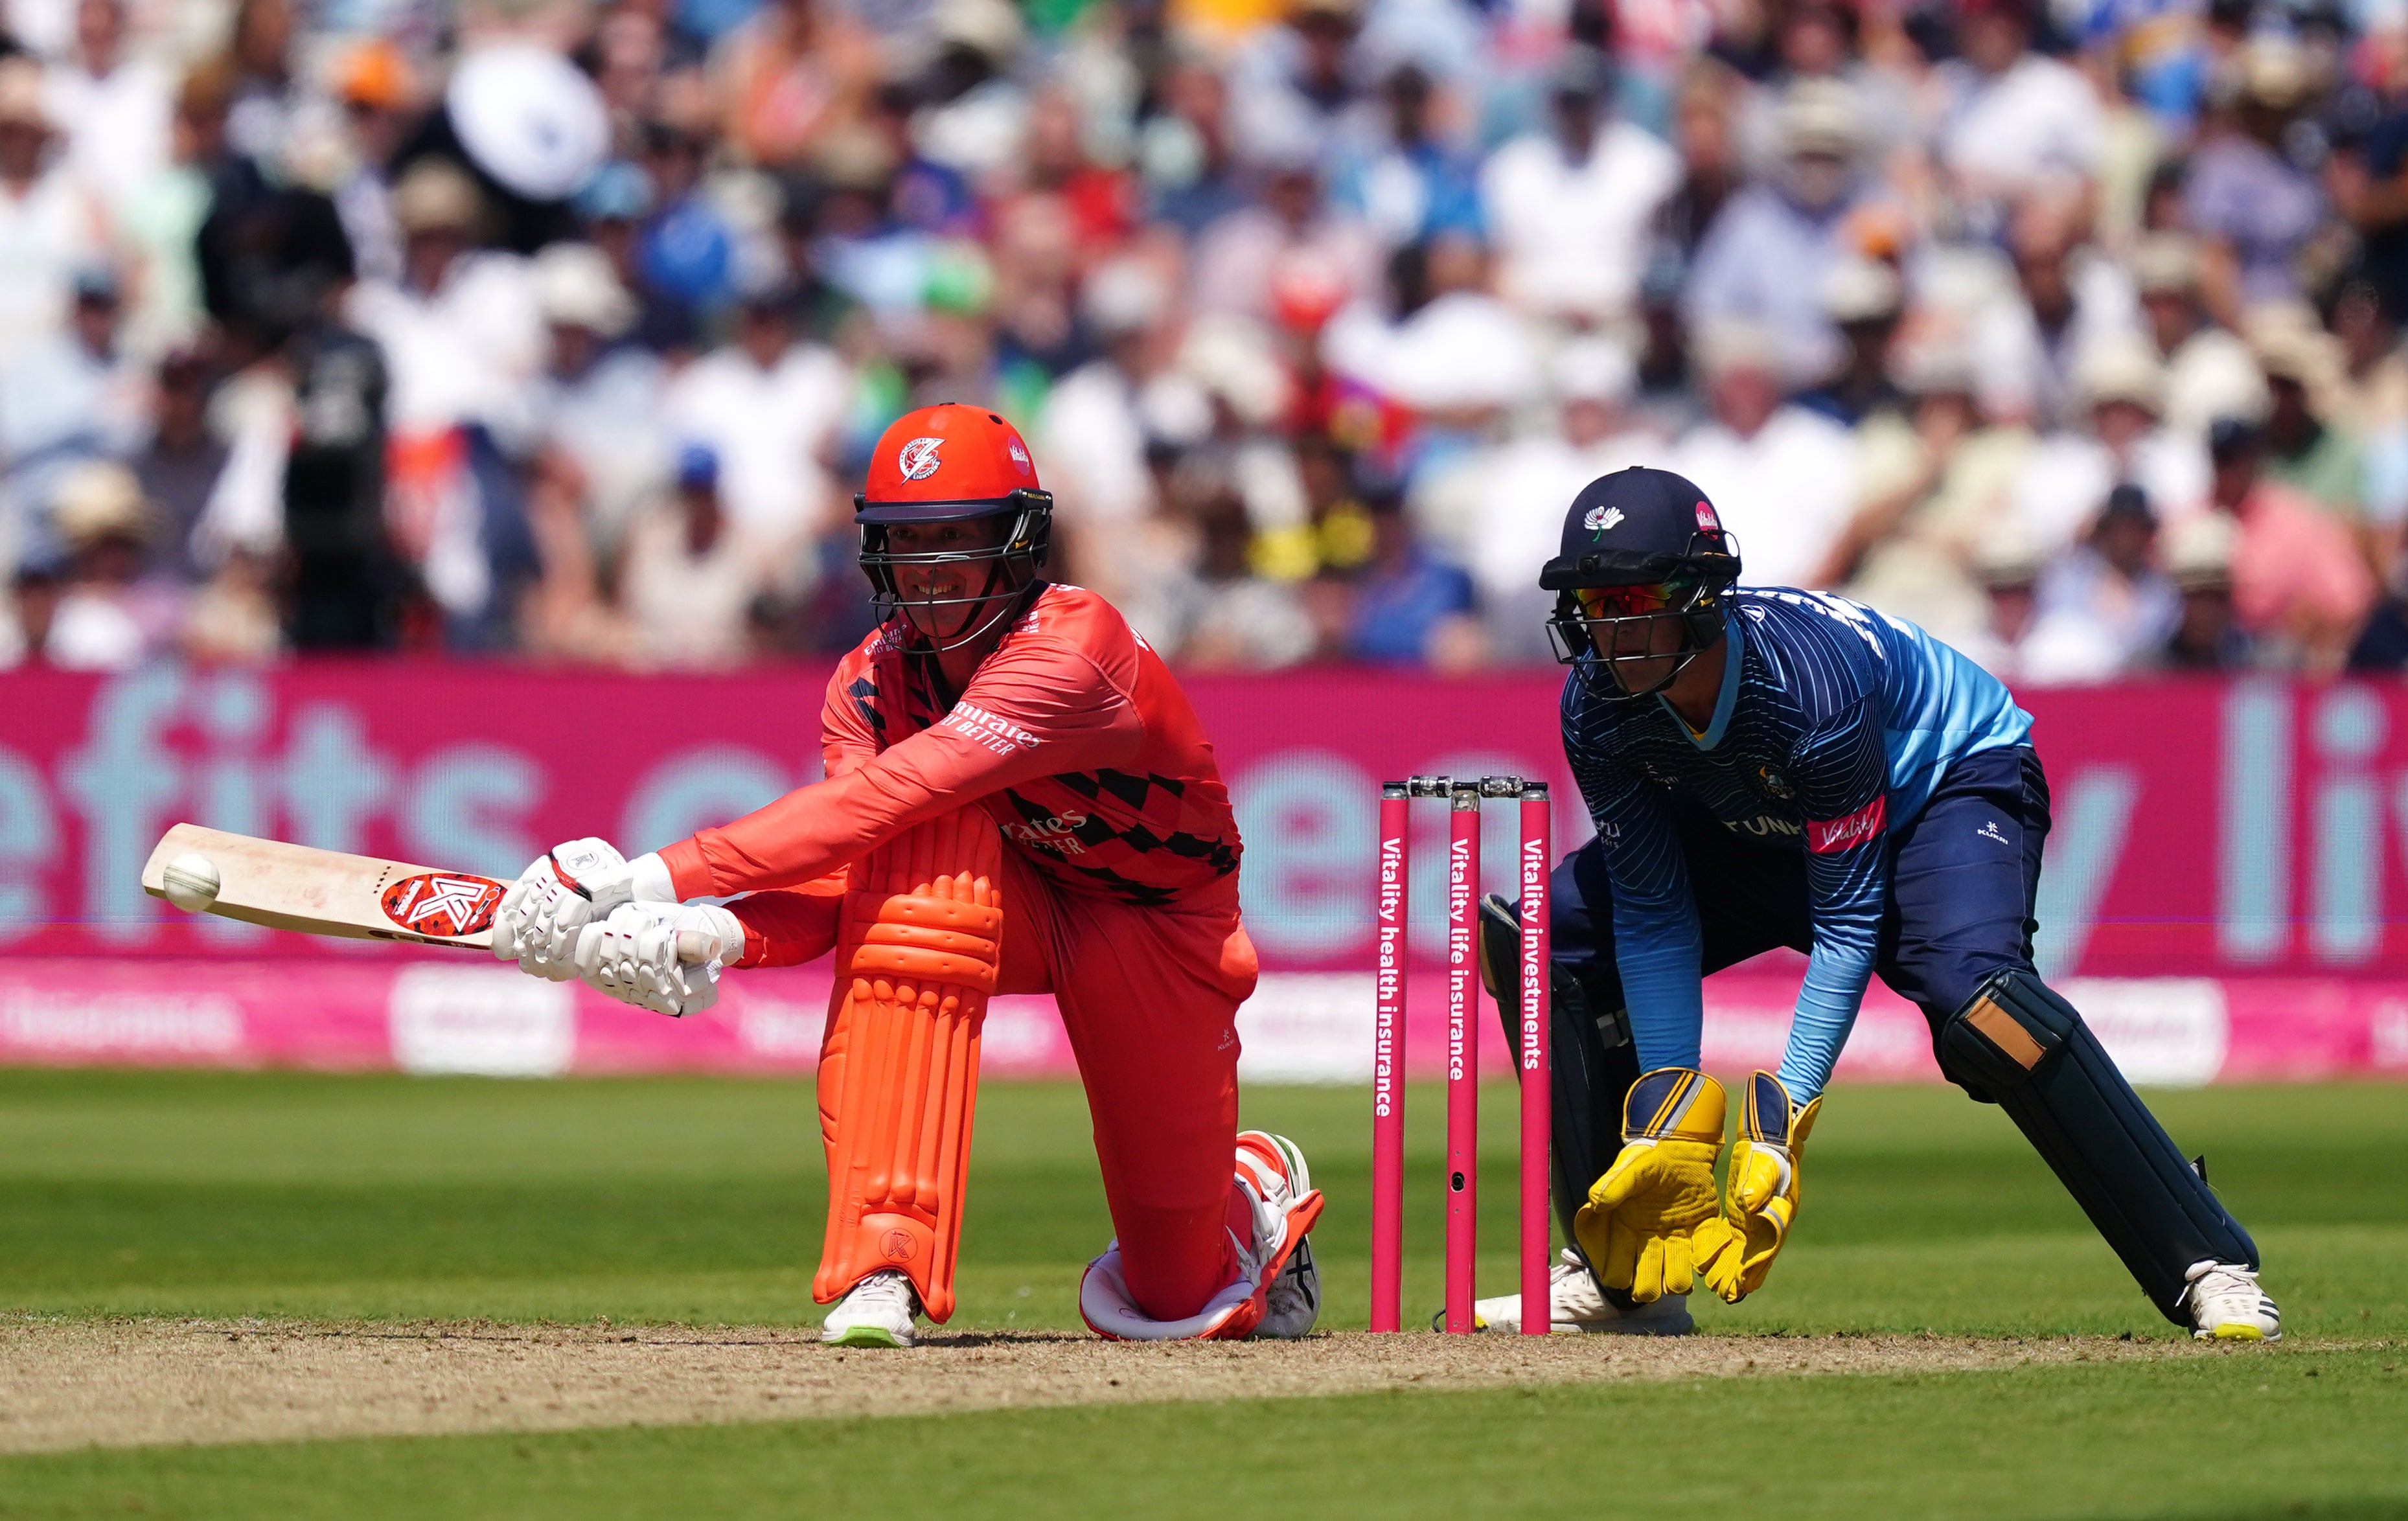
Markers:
point(917, 951)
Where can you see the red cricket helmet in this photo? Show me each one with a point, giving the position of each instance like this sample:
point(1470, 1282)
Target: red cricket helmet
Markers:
point(949, 464)
point(945, 462)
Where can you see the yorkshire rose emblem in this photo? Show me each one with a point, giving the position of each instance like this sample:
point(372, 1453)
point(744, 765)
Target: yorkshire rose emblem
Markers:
point(1602, 518)
point(918, 459)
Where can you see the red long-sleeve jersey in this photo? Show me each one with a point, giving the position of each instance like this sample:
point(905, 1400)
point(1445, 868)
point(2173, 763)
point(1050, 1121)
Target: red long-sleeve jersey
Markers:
point(1072, 735)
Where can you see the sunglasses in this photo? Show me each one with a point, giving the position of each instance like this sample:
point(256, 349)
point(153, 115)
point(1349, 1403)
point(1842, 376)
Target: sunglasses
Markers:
point(1632, 601)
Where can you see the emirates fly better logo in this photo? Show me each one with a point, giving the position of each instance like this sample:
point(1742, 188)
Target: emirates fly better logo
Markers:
point(917, 459)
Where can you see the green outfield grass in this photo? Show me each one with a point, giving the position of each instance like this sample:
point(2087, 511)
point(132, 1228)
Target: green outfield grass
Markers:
point(700, 1200)
point(2276, 1434)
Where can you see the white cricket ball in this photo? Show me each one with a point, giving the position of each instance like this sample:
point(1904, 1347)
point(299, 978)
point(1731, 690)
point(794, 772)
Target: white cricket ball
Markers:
point(191, 882)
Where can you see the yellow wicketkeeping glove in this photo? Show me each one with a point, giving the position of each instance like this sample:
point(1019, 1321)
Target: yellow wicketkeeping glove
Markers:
point(1638, 1225)
point(1737, 1251)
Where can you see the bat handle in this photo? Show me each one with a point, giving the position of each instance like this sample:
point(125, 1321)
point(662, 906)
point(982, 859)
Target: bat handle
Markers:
point(694, 947)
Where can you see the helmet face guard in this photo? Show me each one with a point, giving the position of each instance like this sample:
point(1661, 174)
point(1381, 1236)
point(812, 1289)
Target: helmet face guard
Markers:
point(1010, 567)
point(1688, 594)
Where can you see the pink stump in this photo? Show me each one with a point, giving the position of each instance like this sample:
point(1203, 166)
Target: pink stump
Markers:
point(1388, 1062)
point(1538, 1093)
point(1462, 1052)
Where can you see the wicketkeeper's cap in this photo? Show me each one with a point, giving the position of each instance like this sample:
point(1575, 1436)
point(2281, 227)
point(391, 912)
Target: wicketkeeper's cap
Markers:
point(947, 461)
point(1636, 526)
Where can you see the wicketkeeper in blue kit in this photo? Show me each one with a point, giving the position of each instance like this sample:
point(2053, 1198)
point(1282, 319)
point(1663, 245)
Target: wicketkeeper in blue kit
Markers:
point(1768, 766)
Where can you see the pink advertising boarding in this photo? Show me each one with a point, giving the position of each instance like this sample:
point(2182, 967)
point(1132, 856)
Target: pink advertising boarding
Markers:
point(2222, 894)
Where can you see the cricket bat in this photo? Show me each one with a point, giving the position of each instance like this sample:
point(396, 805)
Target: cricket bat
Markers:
point(360, 897)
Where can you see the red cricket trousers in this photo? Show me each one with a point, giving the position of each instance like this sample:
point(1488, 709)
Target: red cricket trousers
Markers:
point(1149, 998)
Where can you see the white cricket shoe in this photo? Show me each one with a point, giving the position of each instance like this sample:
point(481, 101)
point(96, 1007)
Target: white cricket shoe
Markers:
point(1273, 1169)
point(878, 1313)
point(1579, 1305)
point(2226, 1305)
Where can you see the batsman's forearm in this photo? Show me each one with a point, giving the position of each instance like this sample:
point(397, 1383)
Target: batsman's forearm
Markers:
point(787, 926)
point(804, 835)
point(813, 830)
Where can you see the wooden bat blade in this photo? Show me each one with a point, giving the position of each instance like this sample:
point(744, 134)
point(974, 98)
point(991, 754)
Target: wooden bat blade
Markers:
point(297, 887)
point(267, 881)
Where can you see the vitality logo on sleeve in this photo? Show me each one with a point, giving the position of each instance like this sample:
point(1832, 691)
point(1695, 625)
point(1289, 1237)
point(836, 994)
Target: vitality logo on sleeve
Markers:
point(1828, 836)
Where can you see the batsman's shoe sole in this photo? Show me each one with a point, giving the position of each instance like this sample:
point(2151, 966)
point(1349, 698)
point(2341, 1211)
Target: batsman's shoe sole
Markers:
point(867, 1336)
point(2234, 1333)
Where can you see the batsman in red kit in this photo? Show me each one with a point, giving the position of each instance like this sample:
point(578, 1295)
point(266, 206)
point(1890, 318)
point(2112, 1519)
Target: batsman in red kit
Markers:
point(1019, 799)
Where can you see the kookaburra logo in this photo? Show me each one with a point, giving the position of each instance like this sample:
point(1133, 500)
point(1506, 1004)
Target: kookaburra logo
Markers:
point(1602, 518)
point(918, 459)
point(442, 904)
point(454, 895)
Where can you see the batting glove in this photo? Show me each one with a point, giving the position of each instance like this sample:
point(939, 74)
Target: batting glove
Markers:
point(634, 955)
point(564, 890)
point(1640, 1224)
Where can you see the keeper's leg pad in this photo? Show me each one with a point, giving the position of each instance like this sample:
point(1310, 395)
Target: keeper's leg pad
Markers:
point(917, 952)
point(1593, 1061)
point(2020, 1044)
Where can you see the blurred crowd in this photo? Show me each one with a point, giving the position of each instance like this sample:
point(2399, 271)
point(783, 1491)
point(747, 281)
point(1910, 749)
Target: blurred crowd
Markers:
point(2069, 329)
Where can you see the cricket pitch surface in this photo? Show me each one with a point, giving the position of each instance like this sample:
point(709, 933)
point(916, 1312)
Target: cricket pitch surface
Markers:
point(66, 1383)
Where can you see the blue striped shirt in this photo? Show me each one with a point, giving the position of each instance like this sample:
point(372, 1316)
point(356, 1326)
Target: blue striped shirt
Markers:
point(1834, 723)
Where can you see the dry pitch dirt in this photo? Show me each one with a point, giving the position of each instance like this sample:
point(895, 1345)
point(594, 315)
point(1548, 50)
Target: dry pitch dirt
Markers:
point(69, 1384)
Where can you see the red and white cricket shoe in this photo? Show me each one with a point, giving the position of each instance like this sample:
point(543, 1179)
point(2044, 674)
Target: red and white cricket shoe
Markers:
point(1277, 1292)
point(1273, 1169)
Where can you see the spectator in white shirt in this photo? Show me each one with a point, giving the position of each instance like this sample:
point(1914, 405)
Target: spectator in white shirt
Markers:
point(2068, 298)
point(2120, 387)
point(112, 611)
point(1526, 485)
point(1446, 348)
point(1783, 478)
point(462, 341)
point(1237, 255)
point(73, 394)
point(113, 111)
point(2210, 372)
point(689, 576)
point(2014, 119)
point(2104, 609)
point(598, 400)
point(50, 226)
point(1765, 258)
point(1569, 209)
point(1091, 435)
point(461, 330)
point(770, 407)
